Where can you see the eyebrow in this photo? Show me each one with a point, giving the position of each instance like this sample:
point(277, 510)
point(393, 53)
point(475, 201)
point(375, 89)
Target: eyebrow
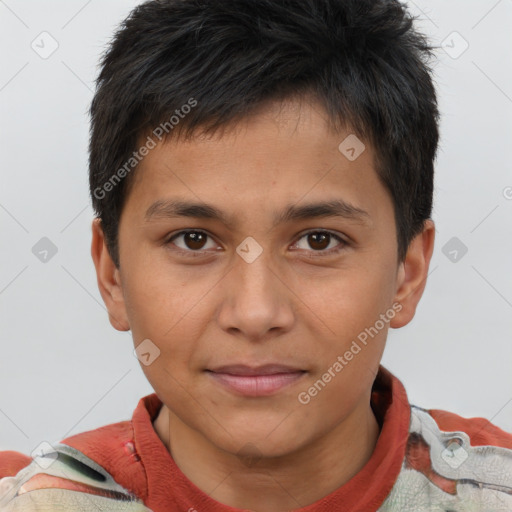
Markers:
point(173, 208)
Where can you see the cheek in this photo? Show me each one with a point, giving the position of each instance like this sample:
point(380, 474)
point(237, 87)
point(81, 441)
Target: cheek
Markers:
point(155, 299)
point(350, 301)
point(161, 311)
point(348, 318)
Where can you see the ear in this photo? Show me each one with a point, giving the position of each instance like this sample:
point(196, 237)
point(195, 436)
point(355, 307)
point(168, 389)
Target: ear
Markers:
point(109, 279)
point(412, 275)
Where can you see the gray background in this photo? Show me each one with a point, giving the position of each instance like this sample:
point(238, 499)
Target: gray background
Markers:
point(64, 369)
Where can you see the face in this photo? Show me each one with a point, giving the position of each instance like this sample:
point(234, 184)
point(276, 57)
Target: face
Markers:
point(251, 277)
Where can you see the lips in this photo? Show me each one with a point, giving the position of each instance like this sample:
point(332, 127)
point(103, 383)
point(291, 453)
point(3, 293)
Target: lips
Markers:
point(268, 369)
point(254, 381)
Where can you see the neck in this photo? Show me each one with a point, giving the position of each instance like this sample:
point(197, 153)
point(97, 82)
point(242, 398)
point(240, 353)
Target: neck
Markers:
point(278, 483)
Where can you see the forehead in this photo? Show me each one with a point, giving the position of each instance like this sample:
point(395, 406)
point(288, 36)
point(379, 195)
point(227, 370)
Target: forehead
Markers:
point(279, 155)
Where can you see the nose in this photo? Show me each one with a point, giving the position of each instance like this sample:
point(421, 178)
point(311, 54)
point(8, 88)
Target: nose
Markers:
point(257, 302)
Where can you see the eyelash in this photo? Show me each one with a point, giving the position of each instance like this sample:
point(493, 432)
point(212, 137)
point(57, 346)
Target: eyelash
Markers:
point(312, 254)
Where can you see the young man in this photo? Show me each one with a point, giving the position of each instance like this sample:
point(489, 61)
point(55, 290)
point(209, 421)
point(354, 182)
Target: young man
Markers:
point(262, 174)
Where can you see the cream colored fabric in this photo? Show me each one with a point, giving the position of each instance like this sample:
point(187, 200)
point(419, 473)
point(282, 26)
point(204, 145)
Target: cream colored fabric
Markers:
point(72, 465)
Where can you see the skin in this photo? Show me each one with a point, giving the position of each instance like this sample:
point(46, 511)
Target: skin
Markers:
point(284, 307)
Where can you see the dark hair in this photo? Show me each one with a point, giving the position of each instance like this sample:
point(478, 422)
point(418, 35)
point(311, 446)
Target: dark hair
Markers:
point(362, 60)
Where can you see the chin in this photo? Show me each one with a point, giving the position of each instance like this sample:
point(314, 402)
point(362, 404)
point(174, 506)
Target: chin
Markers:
point(256, 445)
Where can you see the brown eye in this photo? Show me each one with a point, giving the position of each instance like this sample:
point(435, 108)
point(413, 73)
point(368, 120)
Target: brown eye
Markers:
point(194, 239)
point(319, 241)
point(190, 241)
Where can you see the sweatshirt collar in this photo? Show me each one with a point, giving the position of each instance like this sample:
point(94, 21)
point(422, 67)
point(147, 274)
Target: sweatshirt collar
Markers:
point(365, 491)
